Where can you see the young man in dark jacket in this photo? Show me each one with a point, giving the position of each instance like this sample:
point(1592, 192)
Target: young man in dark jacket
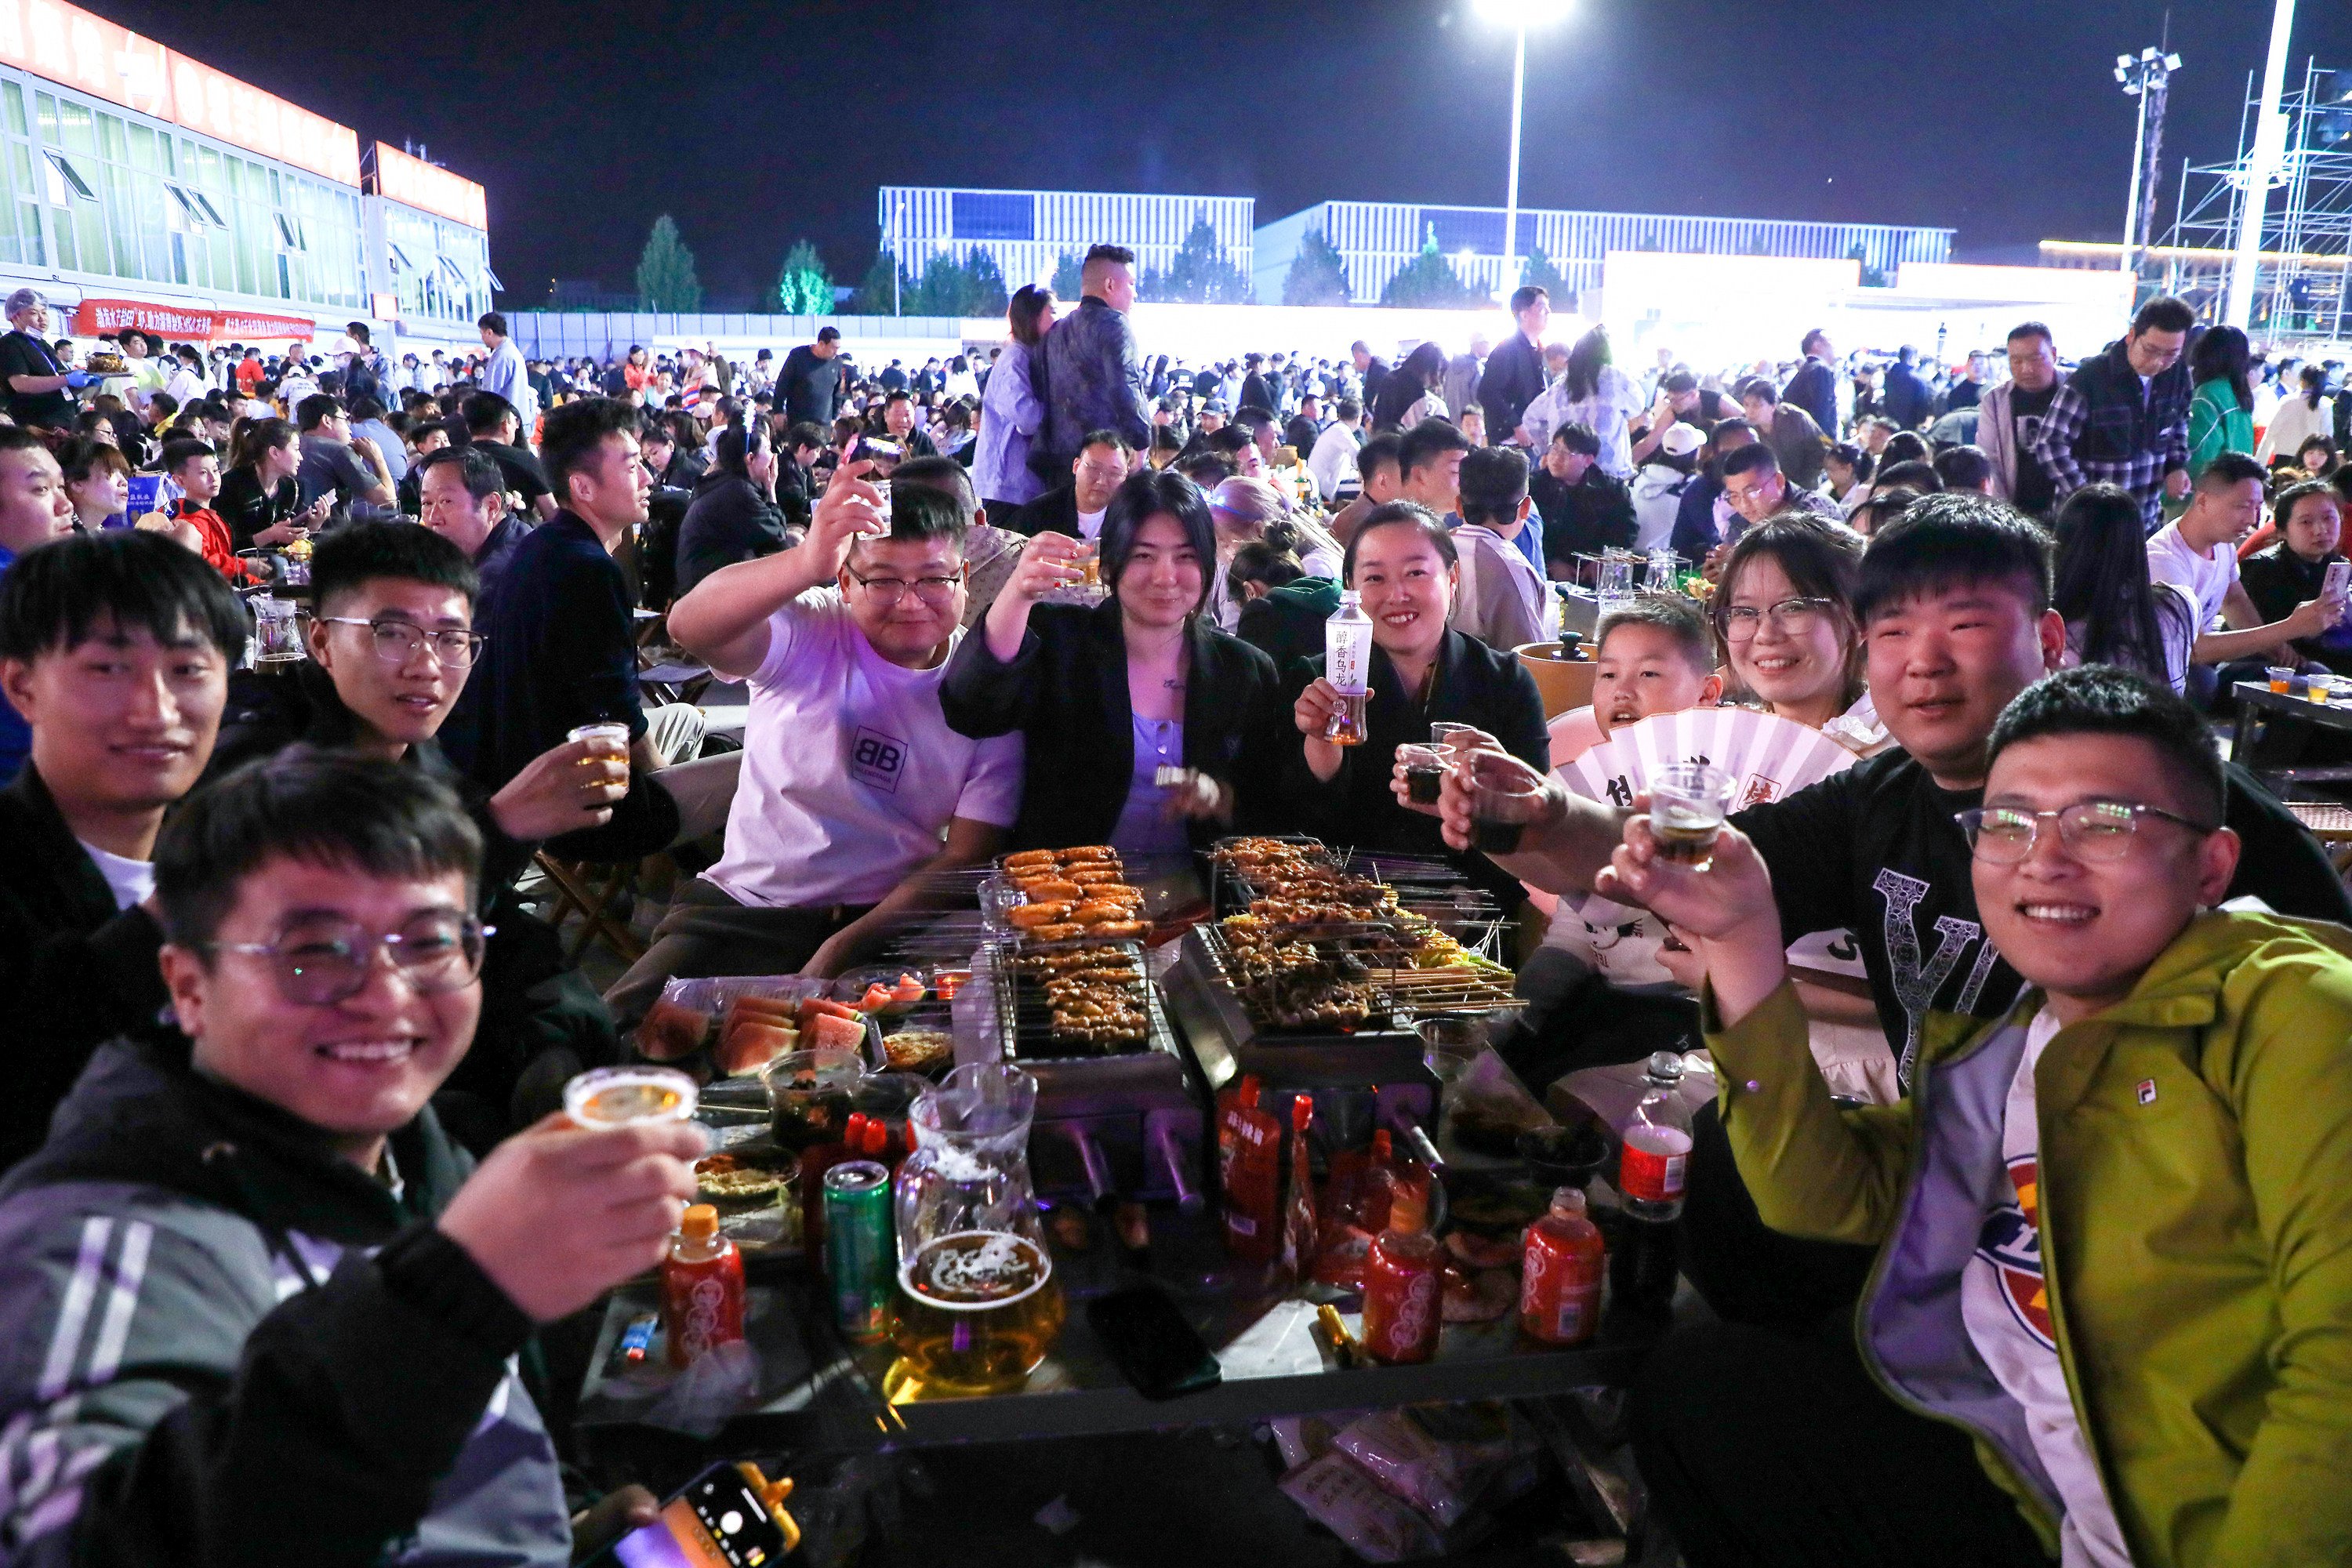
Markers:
point(281, 1317)
point(1584, 510)
point(1514, 376)
point(1814, 386)
point(1094, 378)
point(117, 649)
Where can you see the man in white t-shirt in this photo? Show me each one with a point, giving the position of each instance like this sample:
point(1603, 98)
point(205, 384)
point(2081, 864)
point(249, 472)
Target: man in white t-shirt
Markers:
point(853, 793)
point(2198, 553)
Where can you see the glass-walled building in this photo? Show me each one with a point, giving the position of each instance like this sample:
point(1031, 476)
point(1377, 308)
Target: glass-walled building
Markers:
point(1029, 234)
point(134, 177)
point(428, 243)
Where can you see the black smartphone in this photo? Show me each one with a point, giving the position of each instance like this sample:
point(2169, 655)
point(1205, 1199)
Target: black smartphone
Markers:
point(1155, 1349)
point(719, 1522)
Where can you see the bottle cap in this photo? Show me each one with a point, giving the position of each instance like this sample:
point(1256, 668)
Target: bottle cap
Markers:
point(1408, 1211)
point(1567, 1201)
point(1666, 1066)
point(1302, 1114)
point(701, 1223)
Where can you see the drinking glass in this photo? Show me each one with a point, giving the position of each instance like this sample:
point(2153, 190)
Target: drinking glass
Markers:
point(1688, 802)
point(621, 1096)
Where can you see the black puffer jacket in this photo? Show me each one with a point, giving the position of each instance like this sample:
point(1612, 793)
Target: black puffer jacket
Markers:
point(728, 520)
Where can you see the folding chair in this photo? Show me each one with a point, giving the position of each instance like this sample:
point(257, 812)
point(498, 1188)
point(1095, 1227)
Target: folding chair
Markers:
point(591, 889)
point(2330, 823)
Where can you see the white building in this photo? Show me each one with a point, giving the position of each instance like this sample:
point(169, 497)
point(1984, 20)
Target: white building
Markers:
point(1376, 239)
point(1028, 233)
point(139, 187)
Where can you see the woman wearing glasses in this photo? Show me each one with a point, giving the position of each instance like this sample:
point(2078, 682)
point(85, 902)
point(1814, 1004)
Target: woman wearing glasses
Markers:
point(1146, 727)
point(1785, 618)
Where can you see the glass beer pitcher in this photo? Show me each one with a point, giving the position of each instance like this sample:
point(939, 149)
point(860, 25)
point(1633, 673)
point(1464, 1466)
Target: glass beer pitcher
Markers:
point(978, 1304)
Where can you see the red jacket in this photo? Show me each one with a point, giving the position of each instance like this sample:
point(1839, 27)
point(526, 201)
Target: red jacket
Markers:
point(219, 550)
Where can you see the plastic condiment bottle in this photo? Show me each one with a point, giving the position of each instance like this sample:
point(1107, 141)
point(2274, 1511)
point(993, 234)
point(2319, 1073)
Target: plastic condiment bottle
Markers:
point(1560, 1281)
point(1401, 1313)
point(701, 1288)
point(1253, 1178)
point(1298, 1201)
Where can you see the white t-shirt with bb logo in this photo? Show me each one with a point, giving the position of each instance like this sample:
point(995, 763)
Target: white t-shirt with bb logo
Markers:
point(850, 773)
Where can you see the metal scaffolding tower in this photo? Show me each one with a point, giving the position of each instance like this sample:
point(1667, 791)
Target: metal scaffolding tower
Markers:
point(2307, 234)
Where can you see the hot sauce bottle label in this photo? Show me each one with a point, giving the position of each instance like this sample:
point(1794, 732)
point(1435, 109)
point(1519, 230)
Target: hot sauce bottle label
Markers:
point(1656, 1160)
point(1416, 1316)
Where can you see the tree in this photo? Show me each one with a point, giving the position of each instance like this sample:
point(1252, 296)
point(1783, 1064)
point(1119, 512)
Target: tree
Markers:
point(1198, 273)
point(666, 281)
point(878, 293)
point(1430, 282)
point(1546, 277)
point(973, 287)
point(1316, 276)
point(803, 287)
point(1069, 277)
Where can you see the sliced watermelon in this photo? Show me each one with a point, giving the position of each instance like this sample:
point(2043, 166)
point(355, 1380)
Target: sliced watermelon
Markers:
point(875, 999)
point(826, 1031)
point(908, 989)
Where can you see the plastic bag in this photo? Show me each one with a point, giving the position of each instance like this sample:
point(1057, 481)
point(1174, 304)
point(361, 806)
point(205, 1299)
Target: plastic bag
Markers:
point(1342, 1496)
point(1443, 1473)
point(716, 1386)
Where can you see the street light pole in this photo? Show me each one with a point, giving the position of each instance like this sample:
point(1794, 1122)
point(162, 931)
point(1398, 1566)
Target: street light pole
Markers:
point(2262, 166)
point(1520, 15)
point(2148, 78)
point(1511, 202)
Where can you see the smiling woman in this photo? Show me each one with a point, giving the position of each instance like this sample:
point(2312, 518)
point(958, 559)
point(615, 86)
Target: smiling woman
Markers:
point(1146, 727)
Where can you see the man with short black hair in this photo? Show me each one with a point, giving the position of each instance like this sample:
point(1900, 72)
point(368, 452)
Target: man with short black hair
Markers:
point(491, 427)
point(335, 462)
point(1370, 369)
point(854, 795)
point(1584, 510)
point(2010, 415)
point(1965, 468)
point(467, 505)
point(116, 648)
point(261, 1268)
point(1333, 460)
point(505, 375)
point(1429, 466)
point(1075, 509)
point(1813, 386)
point(2122, 419)
point(1092, 374)
point(1378, 467)
point(1514, 376)
point(1757, 489)
point(810, 386)
point(899, 420)
point(1795, 439)
point(2196, 553)
point(1906, 398)
point(1704, 519)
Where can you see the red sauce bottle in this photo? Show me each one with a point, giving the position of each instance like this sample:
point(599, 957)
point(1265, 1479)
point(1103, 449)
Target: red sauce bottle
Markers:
point(1559, 1282)
point(815, 1160)
point(701, 1288)
point(1401, 1309)
point(1298, 1204)
point(1253, 1178)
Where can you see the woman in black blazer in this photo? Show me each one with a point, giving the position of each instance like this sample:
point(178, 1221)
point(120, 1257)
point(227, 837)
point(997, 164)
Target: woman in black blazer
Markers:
point(1401, 560)
point(1107, 695)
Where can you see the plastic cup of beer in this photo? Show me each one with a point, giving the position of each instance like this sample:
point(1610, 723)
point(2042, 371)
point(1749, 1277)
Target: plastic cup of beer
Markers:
point(2320, 689)
point(623, 1096)
point(1688, 802)
point(1503, 801)
point(1088, 560)
point(2282, 679)
point(607, 742)
point(1424, 771)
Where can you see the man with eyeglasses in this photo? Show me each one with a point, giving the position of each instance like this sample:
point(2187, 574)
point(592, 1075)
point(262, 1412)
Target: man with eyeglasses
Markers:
point(250, 1274)
point(855, 794)
point(1757, 489)
point(1954, 604)
point(336, 462)
point(1076, 510)
point(2113, 1221)
point(116, 649)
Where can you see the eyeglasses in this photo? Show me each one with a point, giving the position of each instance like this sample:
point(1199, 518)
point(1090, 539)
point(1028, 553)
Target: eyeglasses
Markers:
point(2096, 830)
point(396, 642)
point(1793, 616)
point(322, 961)
point(888, 590)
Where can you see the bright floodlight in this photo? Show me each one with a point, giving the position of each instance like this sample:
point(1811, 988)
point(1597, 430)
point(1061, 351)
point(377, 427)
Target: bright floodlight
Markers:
point(1523, 14)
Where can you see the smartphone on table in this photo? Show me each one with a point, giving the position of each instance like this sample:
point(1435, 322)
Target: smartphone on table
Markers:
point(730, 1516)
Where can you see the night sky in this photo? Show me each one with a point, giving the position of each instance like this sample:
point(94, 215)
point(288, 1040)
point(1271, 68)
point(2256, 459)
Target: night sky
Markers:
point(757, 125)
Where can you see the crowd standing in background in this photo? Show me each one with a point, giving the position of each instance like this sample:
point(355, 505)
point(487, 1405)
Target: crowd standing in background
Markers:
point(1066, 589)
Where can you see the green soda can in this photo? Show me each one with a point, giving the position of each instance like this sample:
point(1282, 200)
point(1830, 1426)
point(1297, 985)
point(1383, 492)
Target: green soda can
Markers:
point(858, 1256)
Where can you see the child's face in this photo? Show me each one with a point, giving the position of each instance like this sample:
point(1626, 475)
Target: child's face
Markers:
point(1640, 670)
point(2082, 928)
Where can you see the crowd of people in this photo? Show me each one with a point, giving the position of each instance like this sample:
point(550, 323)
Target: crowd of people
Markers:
point(289, 1187)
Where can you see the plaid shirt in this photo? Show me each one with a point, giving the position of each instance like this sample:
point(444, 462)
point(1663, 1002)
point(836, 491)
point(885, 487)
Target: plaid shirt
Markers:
point(2102, 428)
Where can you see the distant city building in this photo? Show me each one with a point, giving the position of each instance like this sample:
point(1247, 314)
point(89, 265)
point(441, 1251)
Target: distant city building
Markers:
point(1028, 233)
point(140, 187)
point(1376, 239)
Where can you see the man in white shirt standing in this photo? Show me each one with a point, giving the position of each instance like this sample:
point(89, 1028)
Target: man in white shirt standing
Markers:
point(1333, 460)
point(853, 793)
point(2198, 553)
point(507, 376)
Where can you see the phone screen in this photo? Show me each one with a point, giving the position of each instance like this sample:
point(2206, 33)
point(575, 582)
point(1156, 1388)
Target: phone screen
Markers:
point(716, 1522)
point(2338, 572)
point(1158, 1350)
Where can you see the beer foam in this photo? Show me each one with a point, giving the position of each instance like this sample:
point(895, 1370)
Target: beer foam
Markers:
point(1001, 1269)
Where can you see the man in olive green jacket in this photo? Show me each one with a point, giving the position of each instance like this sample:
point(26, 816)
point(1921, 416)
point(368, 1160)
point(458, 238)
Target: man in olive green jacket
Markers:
point(2114, 1227)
